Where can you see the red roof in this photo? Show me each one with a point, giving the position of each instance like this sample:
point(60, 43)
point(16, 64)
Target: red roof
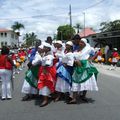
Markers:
point(86, 32)
point(4, 30)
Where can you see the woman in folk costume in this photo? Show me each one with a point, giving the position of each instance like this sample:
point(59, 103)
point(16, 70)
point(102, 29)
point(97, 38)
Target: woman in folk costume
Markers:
point(99, 56)
point(115, 58)
point(47, 75)
point(31, 77)
point(6, 67)
point(85, 74)
point(59, 52)
point(64, 72)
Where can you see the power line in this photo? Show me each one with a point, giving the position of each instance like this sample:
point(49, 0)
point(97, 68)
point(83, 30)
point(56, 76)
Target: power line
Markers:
point(35, 16)
point(97, 3)
point(91, 6)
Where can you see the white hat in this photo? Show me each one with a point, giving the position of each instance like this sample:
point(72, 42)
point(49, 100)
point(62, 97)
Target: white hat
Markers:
point(41, 46)
point(47, 45)
point(69, 43)
point(59, 42)
point(12, 51)
point(84, 40)
point(115, 49)
point(54, 41)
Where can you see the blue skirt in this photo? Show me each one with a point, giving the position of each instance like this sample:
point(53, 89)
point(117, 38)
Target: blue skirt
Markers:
point(65, 72)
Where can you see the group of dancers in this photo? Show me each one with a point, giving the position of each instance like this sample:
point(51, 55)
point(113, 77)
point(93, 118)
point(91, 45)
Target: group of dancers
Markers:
point(57, 68)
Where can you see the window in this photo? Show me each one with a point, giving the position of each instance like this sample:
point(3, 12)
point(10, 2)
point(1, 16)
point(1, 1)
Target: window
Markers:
point(5, 43)
point(105, 35)
point(5, 34)
point(2, 44)
point(1, 34)
point(94, 36)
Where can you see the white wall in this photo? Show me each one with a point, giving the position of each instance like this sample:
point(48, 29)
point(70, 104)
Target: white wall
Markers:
point(9, 39)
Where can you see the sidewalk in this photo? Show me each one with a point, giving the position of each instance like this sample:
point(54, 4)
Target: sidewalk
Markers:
point(104, 69)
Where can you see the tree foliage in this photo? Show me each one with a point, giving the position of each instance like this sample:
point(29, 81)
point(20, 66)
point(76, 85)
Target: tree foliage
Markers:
point(110, 26)
point(30, 38)
point(78, 26)
point(17, 26)
point(65, 32)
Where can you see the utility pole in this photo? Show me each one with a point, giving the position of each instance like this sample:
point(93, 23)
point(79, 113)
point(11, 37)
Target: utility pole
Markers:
point(70, 14)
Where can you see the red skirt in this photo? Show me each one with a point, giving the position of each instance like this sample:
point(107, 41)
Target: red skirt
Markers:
point(47, 77)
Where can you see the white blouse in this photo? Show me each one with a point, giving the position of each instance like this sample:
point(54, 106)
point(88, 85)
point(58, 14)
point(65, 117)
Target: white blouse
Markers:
point(68, 59)
point(37, 59)
point(83, 54)
point(47, 60)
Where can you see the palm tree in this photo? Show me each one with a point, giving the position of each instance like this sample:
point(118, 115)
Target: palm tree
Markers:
point(30, 38)
point(17, 26)
point(78, 26)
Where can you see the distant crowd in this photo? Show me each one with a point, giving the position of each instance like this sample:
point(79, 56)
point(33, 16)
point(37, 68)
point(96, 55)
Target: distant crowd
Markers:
point(108, 56)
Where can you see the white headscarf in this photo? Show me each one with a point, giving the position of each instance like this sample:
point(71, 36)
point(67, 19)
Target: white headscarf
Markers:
point(84, 54)
point(46, 44)
point(84, 40)
point(59, 42)
point(69, 43)
point(41, 46)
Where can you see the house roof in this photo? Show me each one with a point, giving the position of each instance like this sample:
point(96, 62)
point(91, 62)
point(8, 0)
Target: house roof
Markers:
point(88, 31)
point(4, 30)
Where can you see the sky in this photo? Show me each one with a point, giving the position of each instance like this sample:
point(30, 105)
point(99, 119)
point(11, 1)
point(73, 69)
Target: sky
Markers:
point(44, 16)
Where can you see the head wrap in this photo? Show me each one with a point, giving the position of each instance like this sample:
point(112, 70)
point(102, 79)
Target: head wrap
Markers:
point(115, 49)
point(41, 46)
point(47, 45)
point(84, 40)
point(59, 42)
point(69, 43)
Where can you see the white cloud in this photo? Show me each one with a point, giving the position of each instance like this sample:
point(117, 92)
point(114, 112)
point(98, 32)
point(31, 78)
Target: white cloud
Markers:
point(52, 13)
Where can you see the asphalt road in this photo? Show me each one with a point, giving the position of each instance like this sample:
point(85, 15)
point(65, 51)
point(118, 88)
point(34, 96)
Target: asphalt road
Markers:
point(103, 105)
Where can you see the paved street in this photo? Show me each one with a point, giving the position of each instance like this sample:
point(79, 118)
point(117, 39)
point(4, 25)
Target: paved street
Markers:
point(103, 105)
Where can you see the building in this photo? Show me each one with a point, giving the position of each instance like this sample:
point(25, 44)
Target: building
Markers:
point(8, 38)
point(87, 33)
point(101, 39)
point(111, 38)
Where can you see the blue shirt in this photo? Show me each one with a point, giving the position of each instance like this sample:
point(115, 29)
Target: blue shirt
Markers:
point(32, 55)
point(76, 47)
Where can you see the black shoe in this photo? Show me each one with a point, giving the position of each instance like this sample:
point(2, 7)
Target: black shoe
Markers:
point(3, 99)
point(84, 99)
point(68, 99)
point(72, 102)
point(26, 98)
point(9, 98)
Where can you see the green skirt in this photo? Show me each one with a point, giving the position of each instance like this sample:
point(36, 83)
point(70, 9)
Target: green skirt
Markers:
point(84, 72)
point(32, 76)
